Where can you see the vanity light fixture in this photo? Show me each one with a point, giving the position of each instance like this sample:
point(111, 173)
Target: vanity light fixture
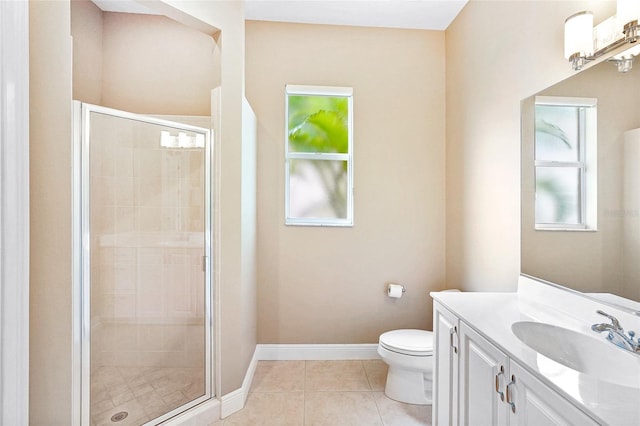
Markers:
point(624, 61)
point(578, 38)
point(583, 42)
point(628, 13)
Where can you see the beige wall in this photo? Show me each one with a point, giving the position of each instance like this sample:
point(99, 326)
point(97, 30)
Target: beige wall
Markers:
point(50, 334)
point(142, 63)
point(86, 29)
point(327, 285)
point(498, 53)
point(152, 64)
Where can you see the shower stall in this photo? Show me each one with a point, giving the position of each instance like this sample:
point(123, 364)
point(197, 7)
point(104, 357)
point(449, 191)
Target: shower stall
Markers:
point(142, 273)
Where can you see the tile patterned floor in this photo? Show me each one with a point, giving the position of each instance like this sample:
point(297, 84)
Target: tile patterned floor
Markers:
point(144, 393)
point(323, 393)
point(283, 393)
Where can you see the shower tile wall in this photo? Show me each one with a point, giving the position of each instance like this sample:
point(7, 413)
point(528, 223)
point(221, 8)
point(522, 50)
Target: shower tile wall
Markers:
point(147, 242)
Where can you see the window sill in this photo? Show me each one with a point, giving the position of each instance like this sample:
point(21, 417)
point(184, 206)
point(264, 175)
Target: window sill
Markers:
point(544, 228)
point(321, 224)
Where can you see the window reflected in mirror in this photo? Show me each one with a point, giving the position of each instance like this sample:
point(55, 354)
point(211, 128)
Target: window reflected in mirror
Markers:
point(565, 145)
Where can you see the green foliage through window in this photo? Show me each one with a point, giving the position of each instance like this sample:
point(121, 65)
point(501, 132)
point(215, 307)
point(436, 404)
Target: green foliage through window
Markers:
point(318, 124)
point(318, 158)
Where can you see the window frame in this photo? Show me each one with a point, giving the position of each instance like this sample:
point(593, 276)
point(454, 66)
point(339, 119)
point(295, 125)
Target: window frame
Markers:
point(586, 163)
point(300, 90)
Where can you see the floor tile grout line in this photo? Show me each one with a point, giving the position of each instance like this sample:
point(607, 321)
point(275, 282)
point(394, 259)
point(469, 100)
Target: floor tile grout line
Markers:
point(375, 401)
point(376, 394)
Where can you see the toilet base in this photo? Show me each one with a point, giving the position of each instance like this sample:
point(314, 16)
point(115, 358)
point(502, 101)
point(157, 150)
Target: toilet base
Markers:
point(408, 386)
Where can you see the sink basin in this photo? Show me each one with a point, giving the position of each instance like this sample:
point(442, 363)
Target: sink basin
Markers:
point(589, 355)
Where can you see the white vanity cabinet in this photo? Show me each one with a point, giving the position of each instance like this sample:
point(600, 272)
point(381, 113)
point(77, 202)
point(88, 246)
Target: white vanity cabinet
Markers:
point(536, 404)
point(445, 367)
point(483, 372)
point(476, 383)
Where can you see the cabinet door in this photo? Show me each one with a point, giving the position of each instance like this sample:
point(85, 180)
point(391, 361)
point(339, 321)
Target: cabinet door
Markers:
point(445, 367)
point(537, 404)
point(483, 369)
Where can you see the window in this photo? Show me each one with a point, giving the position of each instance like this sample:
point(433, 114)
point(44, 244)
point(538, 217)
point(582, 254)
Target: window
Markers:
point(565, 163)
point(319, 156)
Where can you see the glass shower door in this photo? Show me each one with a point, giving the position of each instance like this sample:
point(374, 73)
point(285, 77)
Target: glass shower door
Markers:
point(146, 230)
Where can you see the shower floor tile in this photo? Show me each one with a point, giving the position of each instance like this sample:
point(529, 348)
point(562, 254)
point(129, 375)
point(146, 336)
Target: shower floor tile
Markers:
point(143, 393)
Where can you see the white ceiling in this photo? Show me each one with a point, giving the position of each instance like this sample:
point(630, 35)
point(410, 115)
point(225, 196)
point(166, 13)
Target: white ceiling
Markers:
point(414, 14)
point(123, 6)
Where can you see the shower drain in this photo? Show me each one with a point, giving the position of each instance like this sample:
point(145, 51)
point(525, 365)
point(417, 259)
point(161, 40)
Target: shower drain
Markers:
point(118, 417)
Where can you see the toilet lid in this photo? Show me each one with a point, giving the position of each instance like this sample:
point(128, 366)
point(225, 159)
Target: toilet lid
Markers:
point(411, 342)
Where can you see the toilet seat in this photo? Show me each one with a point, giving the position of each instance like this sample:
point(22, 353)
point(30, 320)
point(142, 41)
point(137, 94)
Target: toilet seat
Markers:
point(408, 342)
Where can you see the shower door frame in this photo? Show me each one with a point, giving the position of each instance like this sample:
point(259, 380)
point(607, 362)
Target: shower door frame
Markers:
point(82, 259)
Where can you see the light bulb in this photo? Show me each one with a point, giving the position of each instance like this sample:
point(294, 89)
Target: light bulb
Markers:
point(182, 140)
point(578, 34)
point(165, 139)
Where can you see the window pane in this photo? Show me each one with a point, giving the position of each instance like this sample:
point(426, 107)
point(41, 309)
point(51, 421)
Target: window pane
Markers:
point(318, 124)
point(318, 189)
point(558, 195)
point(557, 133)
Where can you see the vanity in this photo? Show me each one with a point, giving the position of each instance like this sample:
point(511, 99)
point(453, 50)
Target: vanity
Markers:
point(531, 358)
point(550, 354)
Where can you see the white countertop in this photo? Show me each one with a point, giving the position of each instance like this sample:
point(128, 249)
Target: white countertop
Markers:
point(492, 314)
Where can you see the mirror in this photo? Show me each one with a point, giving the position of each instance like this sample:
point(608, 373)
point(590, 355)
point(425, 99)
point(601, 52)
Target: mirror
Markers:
point(603, 261)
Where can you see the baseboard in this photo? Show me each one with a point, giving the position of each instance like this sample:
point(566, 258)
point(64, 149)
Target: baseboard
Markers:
point(234, 401)
point(302, 352)
point(199, 415)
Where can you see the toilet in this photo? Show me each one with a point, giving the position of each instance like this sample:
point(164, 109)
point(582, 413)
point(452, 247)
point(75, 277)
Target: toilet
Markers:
point(409, 355)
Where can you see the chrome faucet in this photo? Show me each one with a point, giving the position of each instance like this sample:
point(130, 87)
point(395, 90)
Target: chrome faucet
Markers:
point(616, 334)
